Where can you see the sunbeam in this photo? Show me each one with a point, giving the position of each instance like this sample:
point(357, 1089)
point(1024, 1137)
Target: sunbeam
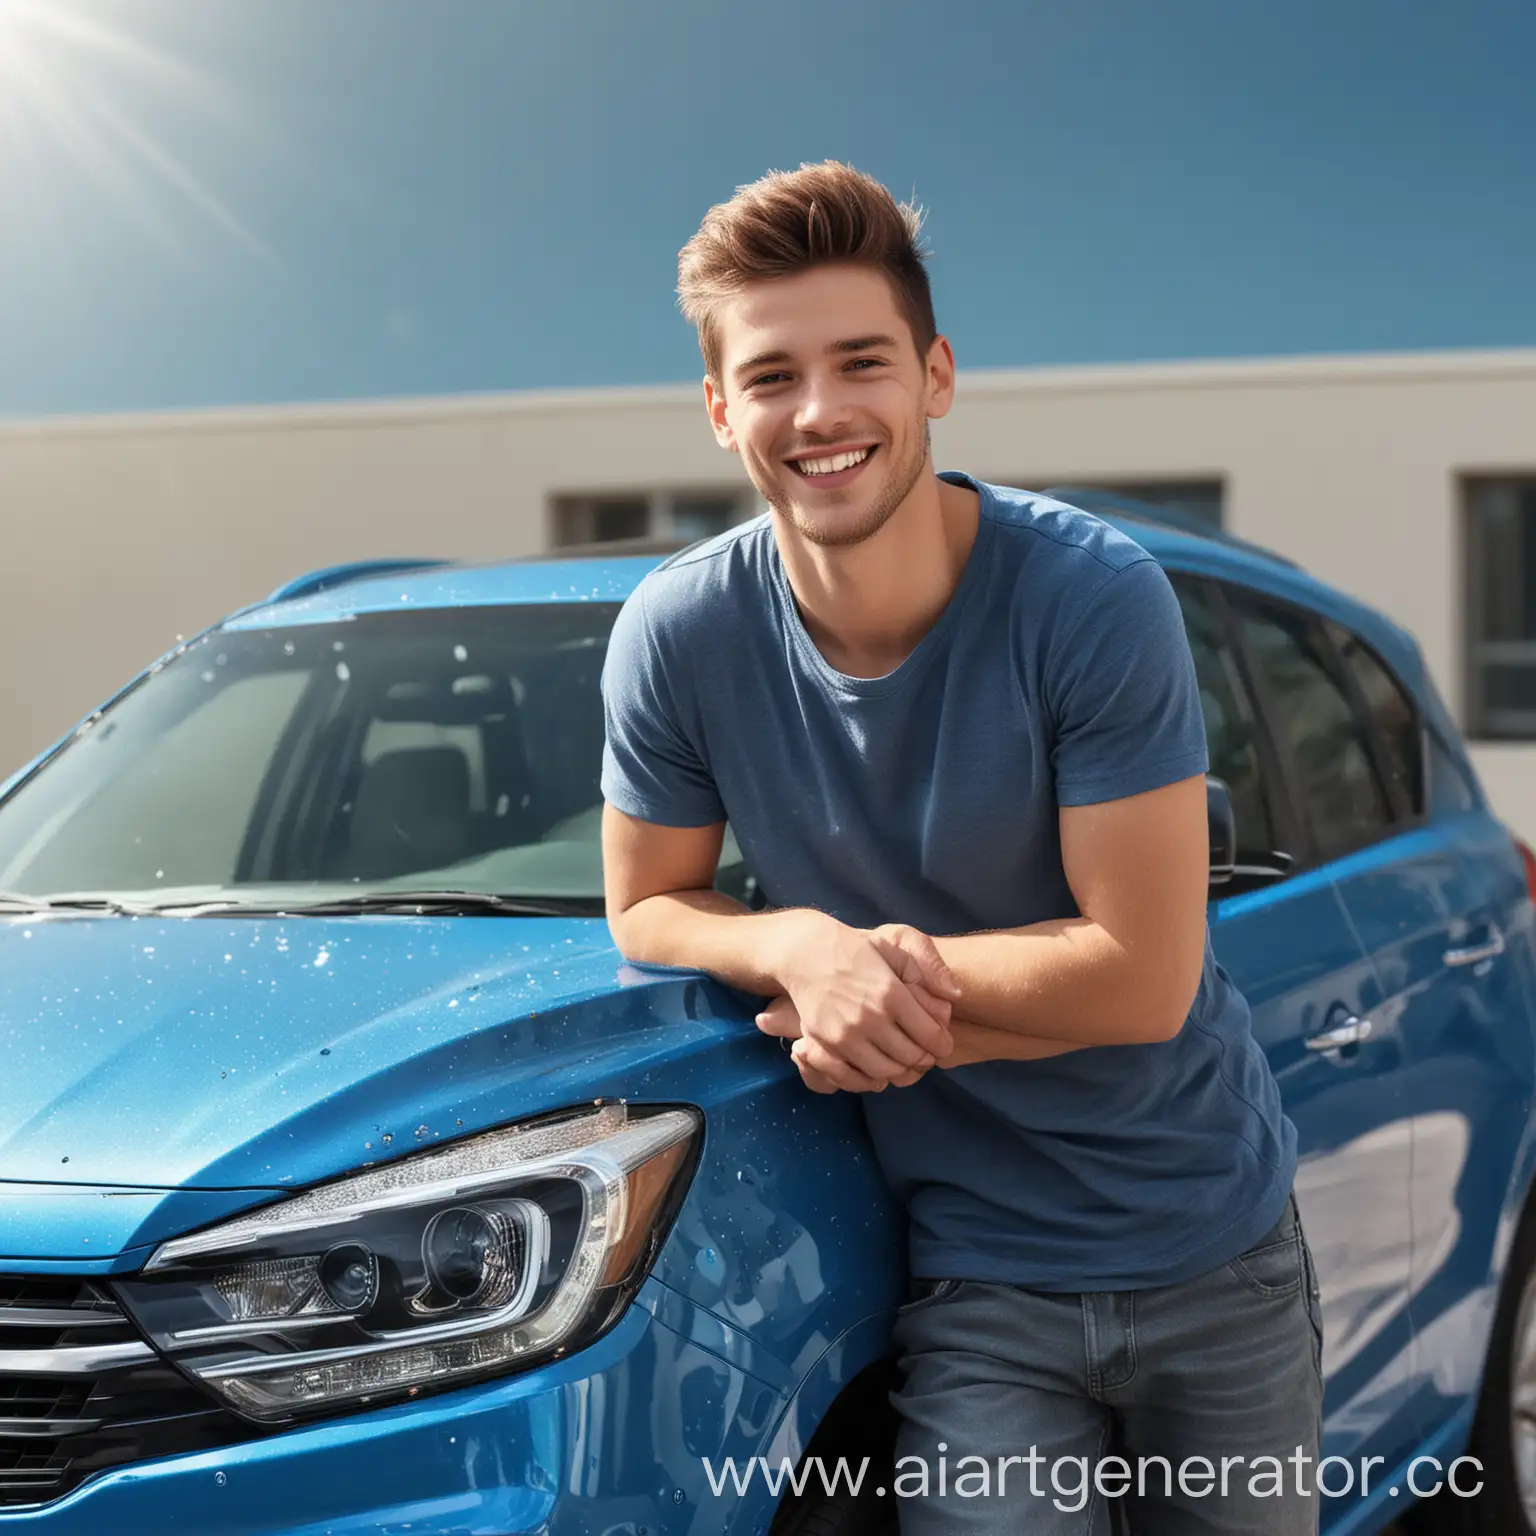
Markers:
point(62, 78)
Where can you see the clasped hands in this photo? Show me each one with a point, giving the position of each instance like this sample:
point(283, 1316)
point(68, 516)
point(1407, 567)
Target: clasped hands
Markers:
point(866, 1009)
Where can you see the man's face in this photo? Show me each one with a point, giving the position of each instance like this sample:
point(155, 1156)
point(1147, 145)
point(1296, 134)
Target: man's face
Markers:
point(824, 395)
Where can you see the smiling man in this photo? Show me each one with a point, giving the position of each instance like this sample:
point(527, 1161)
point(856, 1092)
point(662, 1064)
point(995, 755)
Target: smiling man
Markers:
point(955, 730)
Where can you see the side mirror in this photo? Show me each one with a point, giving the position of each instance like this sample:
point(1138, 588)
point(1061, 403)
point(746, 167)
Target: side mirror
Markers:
point(1223, 830)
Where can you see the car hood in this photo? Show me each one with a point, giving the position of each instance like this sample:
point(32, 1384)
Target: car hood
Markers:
point(250, 1053)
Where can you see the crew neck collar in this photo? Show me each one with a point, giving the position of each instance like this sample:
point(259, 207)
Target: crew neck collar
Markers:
point(931, 643)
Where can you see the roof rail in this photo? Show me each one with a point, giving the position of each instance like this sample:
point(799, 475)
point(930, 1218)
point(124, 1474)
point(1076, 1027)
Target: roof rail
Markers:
point(339, 575)
point(1105, 503)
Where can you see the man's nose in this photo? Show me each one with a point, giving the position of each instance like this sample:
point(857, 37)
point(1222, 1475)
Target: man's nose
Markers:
point(823, 408)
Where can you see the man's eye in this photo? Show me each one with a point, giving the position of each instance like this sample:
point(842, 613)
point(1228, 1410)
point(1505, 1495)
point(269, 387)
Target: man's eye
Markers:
point(768, 378)
point(873, 362)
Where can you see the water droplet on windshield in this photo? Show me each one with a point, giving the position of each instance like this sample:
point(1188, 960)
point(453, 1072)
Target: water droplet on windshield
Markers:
point(322, 959)
point(387, 1137)
point(343, 671)
point(460, 653)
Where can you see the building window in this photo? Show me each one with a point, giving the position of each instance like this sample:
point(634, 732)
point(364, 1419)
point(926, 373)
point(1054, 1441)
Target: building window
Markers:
point(1204, 499)
point(1501, 608)
point(674, 515)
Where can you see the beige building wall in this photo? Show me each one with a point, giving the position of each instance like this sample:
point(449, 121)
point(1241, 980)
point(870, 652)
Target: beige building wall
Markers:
point(119, 534)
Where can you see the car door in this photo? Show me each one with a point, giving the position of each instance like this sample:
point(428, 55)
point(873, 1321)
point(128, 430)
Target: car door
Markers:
point(1432, 906)
point(1282, 933)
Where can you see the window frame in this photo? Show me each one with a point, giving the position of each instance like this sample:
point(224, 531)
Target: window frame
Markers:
point(1478, 652)
point(572, 512)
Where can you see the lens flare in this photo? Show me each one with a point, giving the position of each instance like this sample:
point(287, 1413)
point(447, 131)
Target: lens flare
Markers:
point(72, 90)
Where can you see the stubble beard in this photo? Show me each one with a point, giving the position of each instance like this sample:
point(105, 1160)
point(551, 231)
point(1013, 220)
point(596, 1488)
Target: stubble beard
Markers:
point(898, 486)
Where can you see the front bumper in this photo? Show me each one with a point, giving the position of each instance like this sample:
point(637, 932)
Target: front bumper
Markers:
point(612, 1439)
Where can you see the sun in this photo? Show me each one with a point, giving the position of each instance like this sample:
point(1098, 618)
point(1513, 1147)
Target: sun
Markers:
point(66, 110)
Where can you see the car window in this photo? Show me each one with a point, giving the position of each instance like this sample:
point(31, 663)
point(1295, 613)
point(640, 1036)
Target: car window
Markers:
point(455, 748)
point(1341, 794)
point(1450, 788)
point(1229, 729)
point(116, 816)
point(1392, 709)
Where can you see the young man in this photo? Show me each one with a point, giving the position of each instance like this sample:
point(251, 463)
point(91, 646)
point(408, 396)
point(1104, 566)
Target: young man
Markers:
point(956, 732)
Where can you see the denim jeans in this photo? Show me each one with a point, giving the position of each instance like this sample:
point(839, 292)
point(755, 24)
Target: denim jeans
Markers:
point(1225, 1366)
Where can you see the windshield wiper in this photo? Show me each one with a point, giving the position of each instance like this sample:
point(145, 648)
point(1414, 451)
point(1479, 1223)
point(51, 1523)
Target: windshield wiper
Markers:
point(405, 903)
point(12, 902)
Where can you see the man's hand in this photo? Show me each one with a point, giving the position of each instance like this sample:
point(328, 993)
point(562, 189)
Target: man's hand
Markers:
point(781, 1020)
point(973, 1043)
point(873, 1005)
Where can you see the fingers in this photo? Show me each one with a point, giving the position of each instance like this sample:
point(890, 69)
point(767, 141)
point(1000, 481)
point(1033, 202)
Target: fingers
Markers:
point(884, 1052)
point(938, 1007)
point(918, 1024)
point(876, 1059)
point(928, 984)
point(918, 950)
point(780, 1019)
point(830, 1079)
point(815, 1081)
point(820, 1061)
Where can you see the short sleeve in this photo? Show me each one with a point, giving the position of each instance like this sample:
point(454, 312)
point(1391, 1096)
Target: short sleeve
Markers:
point(651, 769)
point(1121, 685)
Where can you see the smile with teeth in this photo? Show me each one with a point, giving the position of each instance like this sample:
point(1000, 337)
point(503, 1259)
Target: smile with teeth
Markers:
point(838, 461)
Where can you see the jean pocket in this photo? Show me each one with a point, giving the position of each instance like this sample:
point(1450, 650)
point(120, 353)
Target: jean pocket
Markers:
point(1275, 1265)
point(927, 1293)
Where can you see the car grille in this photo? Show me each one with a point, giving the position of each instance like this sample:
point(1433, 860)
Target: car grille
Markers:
point(80, 1391)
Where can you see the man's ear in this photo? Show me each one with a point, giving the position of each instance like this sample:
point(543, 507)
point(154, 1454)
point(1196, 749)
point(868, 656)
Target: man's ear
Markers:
point(941, 378)
point(714, 404)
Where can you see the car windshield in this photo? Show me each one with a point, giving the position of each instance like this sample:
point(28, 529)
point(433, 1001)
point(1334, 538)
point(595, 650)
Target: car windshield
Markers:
point(454, 752)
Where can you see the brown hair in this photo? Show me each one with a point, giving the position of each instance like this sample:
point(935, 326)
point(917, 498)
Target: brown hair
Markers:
point(790, 221)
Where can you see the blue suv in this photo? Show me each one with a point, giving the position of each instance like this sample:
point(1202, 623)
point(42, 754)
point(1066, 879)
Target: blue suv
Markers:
point(351, 1182)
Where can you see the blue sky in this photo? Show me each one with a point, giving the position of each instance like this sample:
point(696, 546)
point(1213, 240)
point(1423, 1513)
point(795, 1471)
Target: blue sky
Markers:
point(208, 202)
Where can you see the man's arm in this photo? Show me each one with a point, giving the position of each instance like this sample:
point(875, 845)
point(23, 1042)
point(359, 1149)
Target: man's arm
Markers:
point(979, 1042)
point(868, 1026)
point(973, 1043)
point(1127, 970)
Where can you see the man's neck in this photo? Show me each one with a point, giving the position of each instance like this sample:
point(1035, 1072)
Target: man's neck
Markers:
point(867, 606)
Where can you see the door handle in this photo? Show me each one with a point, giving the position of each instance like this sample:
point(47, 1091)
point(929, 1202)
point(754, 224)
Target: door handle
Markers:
point(1348, 1031)
point(1469, 954)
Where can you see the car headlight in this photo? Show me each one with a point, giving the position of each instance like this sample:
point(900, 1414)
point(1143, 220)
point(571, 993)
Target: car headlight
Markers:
point(489, 1255)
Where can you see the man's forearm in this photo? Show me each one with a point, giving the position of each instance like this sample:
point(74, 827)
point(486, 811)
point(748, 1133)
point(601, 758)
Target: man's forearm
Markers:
point(1069, 980)
point(708, 931)
point(977, 1042)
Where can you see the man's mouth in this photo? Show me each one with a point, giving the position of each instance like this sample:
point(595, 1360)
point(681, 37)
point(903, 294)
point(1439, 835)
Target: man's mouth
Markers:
point(835, 468)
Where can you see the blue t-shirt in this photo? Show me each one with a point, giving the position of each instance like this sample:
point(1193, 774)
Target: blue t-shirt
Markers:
point(1058, 674)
